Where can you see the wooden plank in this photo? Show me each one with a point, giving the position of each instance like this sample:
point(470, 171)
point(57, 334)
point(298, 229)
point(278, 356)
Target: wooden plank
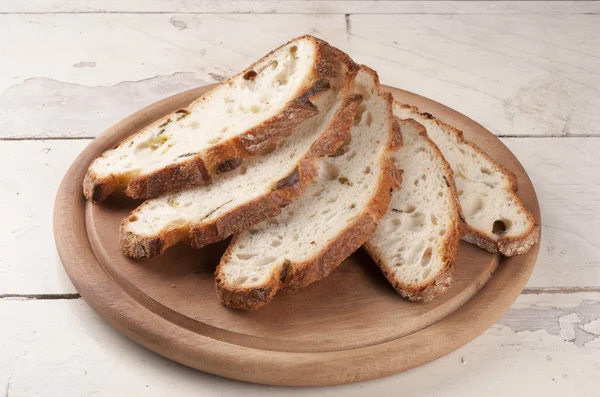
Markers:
point(513, 74)
point(544, 345)
point(104, 67)
point(516, 75)
point(566, 182)
point(302, 6)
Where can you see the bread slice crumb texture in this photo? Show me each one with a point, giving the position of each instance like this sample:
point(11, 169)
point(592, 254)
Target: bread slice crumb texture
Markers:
point(496, 216)
point(416, 242)
point(338, 213)
point(233, 121)
point(251, 193)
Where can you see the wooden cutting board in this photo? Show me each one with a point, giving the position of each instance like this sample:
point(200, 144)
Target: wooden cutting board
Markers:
point(352, 326)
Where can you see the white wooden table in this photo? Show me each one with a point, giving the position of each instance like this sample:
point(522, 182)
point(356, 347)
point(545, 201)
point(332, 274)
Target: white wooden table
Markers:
point(528, 71)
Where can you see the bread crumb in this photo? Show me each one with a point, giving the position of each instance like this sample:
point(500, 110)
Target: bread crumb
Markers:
point(172, 285)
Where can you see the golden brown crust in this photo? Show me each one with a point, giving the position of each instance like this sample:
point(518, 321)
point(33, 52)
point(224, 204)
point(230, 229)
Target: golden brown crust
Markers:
point(294, 276)
point(437, 285)
point(269, 205)
point(199, 167)
point(508, 246)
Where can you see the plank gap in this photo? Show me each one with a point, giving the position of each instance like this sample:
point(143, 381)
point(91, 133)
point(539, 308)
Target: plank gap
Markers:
point(39, 296)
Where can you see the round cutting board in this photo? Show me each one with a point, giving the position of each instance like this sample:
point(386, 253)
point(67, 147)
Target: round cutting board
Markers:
point(348, 327)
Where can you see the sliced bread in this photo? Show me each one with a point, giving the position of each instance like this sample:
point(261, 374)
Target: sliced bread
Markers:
point(416, 242)
point(497, 218)
point(235, 120)
point(335, 216)
point(253, 192)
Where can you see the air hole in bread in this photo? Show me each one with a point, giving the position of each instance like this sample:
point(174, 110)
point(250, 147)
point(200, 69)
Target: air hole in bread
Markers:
point(359, 113)
point(426, 273)
point(367, 170)
point(240, 280)
point(434, 219)
point(245, 255)
point(325, 211)
point(224, 129)
point(265, 261)
point(133, 218)
point(280, 237)
point(410, 209)
point(485, 170)
point(332, 171)
point(215, 140)
point(351, 155)
point(396, 222)
point(501, 226)
point(441, 194)
point(274, 65)
point(254, 109)
point(242, 246)
point(332, 199)
point(416, 182)
point(294, 51)
point(476, 207)
point(242, 170)
point(369, 118)
point(426, 258)
point(442, 232)
point(276, 243)
point(424, 177)
point(460, 192)
point(268, 149)
point(489, 184)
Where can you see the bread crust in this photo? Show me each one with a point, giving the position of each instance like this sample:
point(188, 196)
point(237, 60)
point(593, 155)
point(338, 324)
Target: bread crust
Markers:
point(430, 289)
point(198, 169)
point(269, 205)
point(508, 246)
point(294, 276)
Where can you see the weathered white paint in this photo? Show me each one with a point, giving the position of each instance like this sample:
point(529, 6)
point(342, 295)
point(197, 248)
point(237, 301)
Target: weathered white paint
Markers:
point(514, 74)
point(85, 72)
point(522, 74)
point(565, 179)
point(519, 68)
point(62, 348)
point(303, 6)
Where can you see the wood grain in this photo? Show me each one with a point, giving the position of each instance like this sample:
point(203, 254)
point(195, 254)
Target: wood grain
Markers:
point(515, 75)
point(303, 6)
point(547, 345)
point(352, 323)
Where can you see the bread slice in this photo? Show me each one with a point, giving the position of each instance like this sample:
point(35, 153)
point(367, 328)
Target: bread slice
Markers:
point(235, 120)
point(416, 242)
point(253, 192)
point(335, 216)
point(498, 220)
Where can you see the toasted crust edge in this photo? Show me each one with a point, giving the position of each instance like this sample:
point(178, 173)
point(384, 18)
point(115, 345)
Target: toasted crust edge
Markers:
point(227, 155)
point(269, 205)
point(292, 277)
point(428, 290)
point(508, 246)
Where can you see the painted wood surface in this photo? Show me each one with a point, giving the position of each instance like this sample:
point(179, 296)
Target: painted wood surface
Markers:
point(519, 75)
point(73, 68)
point(302, 6)
point(546, 345)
